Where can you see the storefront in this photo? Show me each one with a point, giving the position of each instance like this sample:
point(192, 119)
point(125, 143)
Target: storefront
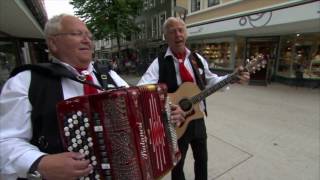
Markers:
point(288, 39)
point(299, 59)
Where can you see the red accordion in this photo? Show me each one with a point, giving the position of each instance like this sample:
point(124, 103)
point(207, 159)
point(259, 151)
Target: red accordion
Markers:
point(125, 133)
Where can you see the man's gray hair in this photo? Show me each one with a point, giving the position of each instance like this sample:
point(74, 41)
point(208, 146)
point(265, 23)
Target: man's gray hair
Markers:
point(53, 25)
point(169, 21)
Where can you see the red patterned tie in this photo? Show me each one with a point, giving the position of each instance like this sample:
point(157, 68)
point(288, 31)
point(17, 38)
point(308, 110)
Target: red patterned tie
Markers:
point(87, 89)
point(184, 73)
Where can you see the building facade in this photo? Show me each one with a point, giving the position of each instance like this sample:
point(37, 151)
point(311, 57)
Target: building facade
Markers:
point(287, 32)
point(144, 46)
point(21, 34)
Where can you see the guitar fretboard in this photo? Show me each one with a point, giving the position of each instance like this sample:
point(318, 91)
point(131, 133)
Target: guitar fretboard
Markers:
point(205, 93)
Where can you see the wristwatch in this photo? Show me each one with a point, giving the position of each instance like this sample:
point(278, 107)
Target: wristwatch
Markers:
point(35, 175)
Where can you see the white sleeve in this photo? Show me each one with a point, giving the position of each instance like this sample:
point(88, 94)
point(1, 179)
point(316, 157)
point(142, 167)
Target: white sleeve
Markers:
point(151, 76)
point(211, 77)
point(118, 80)
point(17, 154)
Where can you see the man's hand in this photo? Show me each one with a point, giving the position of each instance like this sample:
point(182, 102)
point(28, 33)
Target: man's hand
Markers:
point(177, 115)
point(64, 166)
point(243, 76)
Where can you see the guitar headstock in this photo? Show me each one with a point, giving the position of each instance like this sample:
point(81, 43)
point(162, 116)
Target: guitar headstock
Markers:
point(255, 63)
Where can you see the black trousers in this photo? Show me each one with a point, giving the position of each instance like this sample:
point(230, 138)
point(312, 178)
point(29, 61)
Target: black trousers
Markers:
point(195, 135)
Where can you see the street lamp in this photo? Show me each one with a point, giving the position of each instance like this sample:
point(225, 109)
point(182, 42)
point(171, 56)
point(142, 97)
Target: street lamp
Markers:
point(182, 12)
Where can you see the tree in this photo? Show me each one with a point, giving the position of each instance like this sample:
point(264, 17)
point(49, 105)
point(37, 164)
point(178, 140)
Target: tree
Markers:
point(109, 19)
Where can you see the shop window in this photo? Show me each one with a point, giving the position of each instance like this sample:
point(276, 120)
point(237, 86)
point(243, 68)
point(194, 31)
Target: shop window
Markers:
point(217, 54)
point(314, 68)
point(195, 5)
point(213, 2)
point(300, 57)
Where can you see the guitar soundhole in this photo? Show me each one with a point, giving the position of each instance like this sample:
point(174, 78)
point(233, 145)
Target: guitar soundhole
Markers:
point(185, 104)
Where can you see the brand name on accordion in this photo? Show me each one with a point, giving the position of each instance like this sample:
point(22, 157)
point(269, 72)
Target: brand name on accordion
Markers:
point(143, 141)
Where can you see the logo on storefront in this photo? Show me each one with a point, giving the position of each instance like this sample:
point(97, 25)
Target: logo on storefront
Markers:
point(256, 20)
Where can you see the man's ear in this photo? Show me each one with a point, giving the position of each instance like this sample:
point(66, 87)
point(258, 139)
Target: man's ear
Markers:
point(164, 37)
point(52, 44)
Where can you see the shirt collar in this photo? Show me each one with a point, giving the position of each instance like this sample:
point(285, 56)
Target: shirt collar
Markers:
point(170, 53)
point(70, 68)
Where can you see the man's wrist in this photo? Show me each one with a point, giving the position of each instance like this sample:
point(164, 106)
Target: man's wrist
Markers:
point(33, 173)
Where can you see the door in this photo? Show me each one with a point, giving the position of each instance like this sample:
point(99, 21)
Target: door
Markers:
point(268, 46)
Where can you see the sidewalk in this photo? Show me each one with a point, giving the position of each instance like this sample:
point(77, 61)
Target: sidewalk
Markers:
point(262, 133)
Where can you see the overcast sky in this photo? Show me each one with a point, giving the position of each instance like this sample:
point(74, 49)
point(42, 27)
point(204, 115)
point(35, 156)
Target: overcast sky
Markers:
point(54, 7)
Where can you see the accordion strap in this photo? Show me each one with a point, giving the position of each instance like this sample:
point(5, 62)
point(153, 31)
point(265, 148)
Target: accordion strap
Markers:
point(53, 70)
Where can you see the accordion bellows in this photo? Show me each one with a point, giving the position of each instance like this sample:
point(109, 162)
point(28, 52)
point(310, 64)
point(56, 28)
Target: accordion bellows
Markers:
point(125, 133)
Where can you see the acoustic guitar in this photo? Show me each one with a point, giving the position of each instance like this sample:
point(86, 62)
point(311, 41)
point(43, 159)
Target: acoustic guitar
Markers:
point(188, 95)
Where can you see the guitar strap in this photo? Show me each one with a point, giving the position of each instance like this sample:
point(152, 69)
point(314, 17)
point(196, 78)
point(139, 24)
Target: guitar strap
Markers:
point(200, 78)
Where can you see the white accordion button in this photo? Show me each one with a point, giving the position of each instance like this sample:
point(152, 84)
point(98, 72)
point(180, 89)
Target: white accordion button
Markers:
point(79, 113)
point(67, 134)
point(69, 120)
point(70, 148)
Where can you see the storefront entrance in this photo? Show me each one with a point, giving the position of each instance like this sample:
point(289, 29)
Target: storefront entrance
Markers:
point(268, 46)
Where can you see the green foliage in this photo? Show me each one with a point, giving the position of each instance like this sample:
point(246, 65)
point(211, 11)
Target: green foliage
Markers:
point(109, 18)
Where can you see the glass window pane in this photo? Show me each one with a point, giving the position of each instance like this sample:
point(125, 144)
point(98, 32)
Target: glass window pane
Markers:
point(213, 2)
point(195, 5)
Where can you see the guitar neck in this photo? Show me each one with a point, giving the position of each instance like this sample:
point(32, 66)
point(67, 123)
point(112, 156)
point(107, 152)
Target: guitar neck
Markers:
point(207, 92)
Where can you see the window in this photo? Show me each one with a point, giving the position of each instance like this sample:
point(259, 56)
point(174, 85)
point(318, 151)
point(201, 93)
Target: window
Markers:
point(154, 32)
point(142, 34)
point(213, 2)
point(162, 18)
point(195, 5)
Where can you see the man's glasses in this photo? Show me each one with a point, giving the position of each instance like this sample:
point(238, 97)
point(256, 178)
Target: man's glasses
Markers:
point(76, 34)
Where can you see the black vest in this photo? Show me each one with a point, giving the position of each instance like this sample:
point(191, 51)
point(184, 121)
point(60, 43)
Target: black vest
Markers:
point(167, 71)
point(44, 93)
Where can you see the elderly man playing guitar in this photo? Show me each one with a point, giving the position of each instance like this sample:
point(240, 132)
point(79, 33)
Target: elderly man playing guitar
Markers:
point(179, 67)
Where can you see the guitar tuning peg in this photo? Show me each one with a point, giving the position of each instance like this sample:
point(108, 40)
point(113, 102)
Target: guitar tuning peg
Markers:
point(258, 68)
point(263, 66)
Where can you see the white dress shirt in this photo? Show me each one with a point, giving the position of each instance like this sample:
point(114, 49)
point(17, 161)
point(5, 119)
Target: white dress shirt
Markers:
point(16, 153)
point(151, 76)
